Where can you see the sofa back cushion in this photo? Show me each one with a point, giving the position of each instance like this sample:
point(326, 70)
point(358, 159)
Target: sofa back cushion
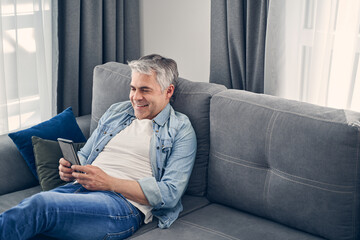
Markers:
point(292, 162)
point(111, 85)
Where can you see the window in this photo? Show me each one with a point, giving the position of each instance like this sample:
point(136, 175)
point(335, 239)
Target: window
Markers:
point(25, 63)
point(316, 56)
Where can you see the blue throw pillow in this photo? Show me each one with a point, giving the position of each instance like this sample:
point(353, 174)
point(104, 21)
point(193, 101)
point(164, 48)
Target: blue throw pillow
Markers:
point(63, 125)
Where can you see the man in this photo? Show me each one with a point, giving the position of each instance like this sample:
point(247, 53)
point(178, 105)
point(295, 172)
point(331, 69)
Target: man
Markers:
point(135, 165)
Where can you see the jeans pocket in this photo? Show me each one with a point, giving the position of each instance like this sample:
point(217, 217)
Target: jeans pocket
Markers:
point(120, 235)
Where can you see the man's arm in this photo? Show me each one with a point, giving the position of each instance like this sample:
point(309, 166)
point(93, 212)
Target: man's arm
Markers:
point(167, 192)
point(95, 179)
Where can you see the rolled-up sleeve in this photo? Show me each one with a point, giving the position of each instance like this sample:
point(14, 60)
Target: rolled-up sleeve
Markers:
point(151, 190)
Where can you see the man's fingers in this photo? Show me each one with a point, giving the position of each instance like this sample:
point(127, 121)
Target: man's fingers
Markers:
point(87, 169)
point(80, 168)
point(80, 175)
point(65, 169)
point(64, 162)
point(66, 176)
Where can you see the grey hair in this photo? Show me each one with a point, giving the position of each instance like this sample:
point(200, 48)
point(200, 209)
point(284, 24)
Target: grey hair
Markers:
point(165, 69)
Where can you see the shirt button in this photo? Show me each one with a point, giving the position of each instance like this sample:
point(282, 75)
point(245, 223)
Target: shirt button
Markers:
point(157, 147)
point(97, 150)
point(157, 131)
point(105, 132)
point(110, 135)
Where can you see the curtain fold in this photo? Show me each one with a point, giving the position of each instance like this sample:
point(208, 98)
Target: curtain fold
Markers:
point(91, 33)
point(238, 31)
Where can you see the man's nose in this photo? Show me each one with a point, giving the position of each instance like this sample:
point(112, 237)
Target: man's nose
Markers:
point(137, 95)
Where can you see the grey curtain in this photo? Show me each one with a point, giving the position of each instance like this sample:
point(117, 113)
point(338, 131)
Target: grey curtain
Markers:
point(238, 30)
point(91, 33)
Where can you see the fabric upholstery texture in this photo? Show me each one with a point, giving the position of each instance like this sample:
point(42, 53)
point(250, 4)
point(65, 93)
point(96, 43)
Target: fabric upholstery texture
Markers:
point(84, 124)
point(47, 154)
point(219, 222)
point(9, 200)
point(190, 204)
point(112, 84)
point(15, 174)
point(63, 125)
point(295, 163)
point(193, 99)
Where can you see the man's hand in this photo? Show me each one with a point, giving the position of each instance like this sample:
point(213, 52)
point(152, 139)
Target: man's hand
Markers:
point(92, 178)
point(65, 171)
point(95, 179)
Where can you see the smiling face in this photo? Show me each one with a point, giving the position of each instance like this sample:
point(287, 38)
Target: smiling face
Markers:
point(146, 96)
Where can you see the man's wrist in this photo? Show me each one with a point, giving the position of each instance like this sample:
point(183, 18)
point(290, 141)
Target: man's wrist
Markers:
point(112, 182)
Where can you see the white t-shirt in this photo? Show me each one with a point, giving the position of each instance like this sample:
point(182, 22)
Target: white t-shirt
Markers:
point(127, 156)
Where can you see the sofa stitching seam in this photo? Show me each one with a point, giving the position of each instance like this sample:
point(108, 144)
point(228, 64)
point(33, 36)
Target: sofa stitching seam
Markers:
point(307, 184)
point(194, 209)
point(208, 230)
point(279, 173)
point(251, 163)
point(270, 129)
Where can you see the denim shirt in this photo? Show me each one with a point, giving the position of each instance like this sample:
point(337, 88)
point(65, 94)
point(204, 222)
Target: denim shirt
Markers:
point(172, 155)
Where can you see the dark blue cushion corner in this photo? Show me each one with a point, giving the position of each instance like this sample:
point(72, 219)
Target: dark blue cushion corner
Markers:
point(63, 125)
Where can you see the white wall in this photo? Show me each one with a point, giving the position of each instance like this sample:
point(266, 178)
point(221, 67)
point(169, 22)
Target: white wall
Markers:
point(178, 29)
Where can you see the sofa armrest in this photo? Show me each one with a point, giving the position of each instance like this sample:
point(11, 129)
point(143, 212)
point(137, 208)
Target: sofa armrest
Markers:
point(15, 175)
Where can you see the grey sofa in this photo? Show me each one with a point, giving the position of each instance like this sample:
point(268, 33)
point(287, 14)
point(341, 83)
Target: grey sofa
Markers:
point(266, 167)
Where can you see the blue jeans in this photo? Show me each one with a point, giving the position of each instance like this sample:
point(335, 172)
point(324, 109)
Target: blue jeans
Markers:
point(71, 212)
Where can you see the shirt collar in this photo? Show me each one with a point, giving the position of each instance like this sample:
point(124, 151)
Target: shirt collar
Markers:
point(160, 119)
point(163, 116)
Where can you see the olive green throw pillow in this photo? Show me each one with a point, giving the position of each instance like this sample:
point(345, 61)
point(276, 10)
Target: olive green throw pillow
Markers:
point(47, 154)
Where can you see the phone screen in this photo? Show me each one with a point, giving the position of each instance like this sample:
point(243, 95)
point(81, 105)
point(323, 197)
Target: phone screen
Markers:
point(68, 150)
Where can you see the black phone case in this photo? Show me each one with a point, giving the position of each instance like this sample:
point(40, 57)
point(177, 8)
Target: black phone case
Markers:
point(68, 151)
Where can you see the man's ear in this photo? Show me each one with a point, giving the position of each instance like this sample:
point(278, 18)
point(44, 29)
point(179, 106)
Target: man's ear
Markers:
point(170, 91)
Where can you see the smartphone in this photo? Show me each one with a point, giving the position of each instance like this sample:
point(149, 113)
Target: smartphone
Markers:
point(68, 150)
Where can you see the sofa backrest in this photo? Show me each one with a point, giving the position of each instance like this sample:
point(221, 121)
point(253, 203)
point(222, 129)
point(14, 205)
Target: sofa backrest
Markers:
point(292, 162)
point(111, 84)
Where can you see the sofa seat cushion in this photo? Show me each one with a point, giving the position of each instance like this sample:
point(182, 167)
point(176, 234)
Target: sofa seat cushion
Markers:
point(190, 204)
point(9, 200)
point(220, 222)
